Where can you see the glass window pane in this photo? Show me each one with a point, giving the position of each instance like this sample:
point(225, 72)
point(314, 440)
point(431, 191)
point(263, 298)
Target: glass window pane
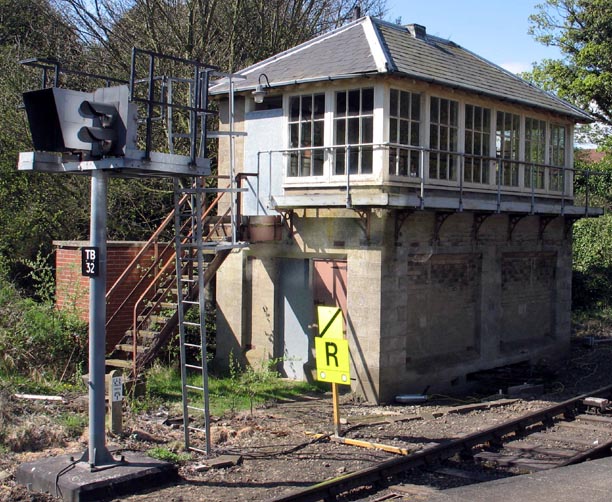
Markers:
point(353, 131)
point(393, 130)
point(392, 160)
point(306, 139)
point(367, 101)
point(340, 132)
point(367, 130)
point(469, 117)
point(434, 110)
point(306, 107)
point(405, 105)
point(353, 102)
point(444, 111)
point(319, 106)
point(339, 164)
point(414, 134)
point(341, 104)
point(454, 113)
point(317, 136)
point(403, 163)
point(393, 102)
point(354, 161)
point(294, 130)
point(294, 108)
point(317, 163)
point(403, 137)
point(416, 107)
point(366, 160)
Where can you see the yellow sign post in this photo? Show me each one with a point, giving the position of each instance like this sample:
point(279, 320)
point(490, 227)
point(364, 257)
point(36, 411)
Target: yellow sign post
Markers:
point(332, 355)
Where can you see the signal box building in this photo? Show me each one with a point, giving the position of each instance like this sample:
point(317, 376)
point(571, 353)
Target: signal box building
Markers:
point(423, 189)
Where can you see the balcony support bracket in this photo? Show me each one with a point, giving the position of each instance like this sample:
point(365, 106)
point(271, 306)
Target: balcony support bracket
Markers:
point(545, 219)
point(400, 217)
point(441, 217)
point(513, 221)
point(479, 219)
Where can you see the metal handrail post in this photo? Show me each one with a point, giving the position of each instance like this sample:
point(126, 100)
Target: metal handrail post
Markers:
point(347, 164)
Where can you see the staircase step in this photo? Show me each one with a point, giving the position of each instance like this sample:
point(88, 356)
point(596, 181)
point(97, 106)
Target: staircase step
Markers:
point(142, 333)
point(128, 347)
point(153, 318)
point(118, 363)
point(168, 305)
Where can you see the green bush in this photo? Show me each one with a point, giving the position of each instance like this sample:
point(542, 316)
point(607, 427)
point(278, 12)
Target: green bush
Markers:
point(592, 279)
point(36, 339)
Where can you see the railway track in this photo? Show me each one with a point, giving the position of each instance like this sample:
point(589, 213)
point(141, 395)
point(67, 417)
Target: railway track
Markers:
point(567, 433)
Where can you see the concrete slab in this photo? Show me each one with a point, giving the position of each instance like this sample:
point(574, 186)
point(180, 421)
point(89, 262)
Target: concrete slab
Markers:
point(75, 481)
point(587, 481)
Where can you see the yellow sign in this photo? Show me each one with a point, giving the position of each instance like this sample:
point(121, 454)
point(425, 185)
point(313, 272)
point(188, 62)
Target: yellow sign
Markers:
point(331, 349)
point(330, 322)
point(332, 356)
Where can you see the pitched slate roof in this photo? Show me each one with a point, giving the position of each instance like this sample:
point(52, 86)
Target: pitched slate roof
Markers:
point(370, 46)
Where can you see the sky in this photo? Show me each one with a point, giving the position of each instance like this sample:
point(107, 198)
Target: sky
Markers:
point(494, 29)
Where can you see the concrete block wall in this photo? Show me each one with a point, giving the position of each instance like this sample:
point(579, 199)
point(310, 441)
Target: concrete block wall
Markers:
point(430, 300)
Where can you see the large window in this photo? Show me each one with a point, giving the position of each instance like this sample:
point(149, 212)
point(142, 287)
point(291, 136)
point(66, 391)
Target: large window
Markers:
point(443, 139)
point(354, 126)
point(404, 130)
point(477, 144)
point(535, 152)
point(306, 129)
point(507, 142)
point(557, 157)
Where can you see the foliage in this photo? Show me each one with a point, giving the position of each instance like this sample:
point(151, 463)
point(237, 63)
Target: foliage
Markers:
point(582, 30)
point(161, 453)
point(36, 339)
point(226, 393)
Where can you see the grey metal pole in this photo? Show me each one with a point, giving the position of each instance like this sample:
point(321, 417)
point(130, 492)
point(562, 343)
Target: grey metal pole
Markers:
point(98, 454)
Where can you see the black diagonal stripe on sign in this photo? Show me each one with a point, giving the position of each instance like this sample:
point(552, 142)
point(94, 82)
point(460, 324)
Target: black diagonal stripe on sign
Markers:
point(331, 321)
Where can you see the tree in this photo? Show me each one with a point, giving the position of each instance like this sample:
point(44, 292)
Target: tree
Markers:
point(582, 30)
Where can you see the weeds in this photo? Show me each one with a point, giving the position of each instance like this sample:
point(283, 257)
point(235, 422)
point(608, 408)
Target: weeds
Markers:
point(161, 453)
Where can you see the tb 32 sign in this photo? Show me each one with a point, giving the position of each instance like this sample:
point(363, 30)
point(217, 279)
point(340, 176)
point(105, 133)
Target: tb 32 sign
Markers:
point(90, 261)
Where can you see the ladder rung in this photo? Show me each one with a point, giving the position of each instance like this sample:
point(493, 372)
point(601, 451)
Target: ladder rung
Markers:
point(190, 302)
point(194, 387)
point(195, 408)
point(198, 450)
point(193, 367)
point(193, 345)
point(188, 323)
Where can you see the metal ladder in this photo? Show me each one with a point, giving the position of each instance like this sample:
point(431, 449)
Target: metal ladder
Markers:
point(190, 267)
point(192, 246)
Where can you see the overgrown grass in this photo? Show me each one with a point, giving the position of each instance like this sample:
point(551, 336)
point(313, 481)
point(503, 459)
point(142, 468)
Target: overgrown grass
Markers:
point(241, 390)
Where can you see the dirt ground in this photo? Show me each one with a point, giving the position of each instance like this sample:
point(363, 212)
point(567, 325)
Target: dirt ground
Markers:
point(277, 449)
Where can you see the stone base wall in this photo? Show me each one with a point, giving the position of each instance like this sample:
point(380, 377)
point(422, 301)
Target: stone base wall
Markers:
point(432, 297)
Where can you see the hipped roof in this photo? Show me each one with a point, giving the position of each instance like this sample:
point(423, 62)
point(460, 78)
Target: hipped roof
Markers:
point(369, 46)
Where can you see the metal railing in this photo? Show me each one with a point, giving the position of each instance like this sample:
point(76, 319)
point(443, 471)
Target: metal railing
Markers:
point(555, 179)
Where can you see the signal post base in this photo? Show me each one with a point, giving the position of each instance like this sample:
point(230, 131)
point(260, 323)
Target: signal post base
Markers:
point(75, 481)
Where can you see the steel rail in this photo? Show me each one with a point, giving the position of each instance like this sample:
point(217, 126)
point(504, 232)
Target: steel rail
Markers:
point(379, 474)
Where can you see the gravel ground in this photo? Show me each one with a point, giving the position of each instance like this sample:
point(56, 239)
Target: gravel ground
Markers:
point(279, 448)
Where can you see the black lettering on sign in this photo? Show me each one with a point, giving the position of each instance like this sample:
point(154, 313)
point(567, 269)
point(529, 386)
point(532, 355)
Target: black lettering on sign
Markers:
point(331, 349)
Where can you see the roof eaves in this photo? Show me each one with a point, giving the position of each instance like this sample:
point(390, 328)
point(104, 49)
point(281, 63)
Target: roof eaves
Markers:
point(311, 80)
point(578, 113)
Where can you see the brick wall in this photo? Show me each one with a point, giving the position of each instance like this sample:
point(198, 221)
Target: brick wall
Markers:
point(72, 290)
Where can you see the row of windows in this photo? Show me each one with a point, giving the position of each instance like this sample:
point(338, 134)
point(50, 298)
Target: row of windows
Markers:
point(491, 146)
